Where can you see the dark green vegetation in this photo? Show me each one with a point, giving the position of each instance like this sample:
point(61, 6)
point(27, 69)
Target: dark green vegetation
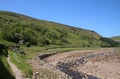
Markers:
point(5, 71)
point(16, 27)
point(107, 42)
point(116, 38)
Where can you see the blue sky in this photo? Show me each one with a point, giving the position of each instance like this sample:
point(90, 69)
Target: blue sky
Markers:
point(102, 16)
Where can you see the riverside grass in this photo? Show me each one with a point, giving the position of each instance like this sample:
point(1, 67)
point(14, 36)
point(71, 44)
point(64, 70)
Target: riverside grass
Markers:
point(20, 62)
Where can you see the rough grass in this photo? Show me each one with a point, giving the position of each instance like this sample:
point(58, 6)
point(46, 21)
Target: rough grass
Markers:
point(20, 62)
point(5, 70)
point(33, 51)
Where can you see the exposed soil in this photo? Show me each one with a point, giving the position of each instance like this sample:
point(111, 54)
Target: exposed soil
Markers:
point(82, 64)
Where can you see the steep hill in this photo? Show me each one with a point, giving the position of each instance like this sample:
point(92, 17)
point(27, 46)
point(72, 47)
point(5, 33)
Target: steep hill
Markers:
point(16, 28)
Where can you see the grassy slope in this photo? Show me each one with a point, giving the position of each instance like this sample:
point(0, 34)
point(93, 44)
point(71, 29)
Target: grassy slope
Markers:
point(15, 27)
point(21, 63)
point(116, 38)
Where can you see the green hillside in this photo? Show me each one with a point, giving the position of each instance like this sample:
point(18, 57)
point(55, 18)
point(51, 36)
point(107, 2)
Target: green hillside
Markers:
point(41, 35)
point(17, 27)
point(116, 38)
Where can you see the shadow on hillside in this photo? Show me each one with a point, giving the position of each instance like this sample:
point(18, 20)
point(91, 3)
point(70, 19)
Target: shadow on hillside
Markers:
point(4, 73)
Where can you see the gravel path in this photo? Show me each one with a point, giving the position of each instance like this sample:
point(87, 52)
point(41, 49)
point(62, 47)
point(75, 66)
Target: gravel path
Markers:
point(18, 74)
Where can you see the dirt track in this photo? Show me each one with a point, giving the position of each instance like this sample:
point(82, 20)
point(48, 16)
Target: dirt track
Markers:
point(83, 64)
point(18, 74)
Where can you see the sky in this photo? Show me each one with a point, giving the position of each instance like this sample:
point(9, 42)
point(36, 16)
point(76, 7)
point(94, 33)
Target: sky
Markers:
point(101, 16)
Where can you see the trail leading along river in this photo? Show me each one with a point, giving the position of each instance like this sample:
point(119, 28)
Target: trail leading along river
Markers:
point(18, 74)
